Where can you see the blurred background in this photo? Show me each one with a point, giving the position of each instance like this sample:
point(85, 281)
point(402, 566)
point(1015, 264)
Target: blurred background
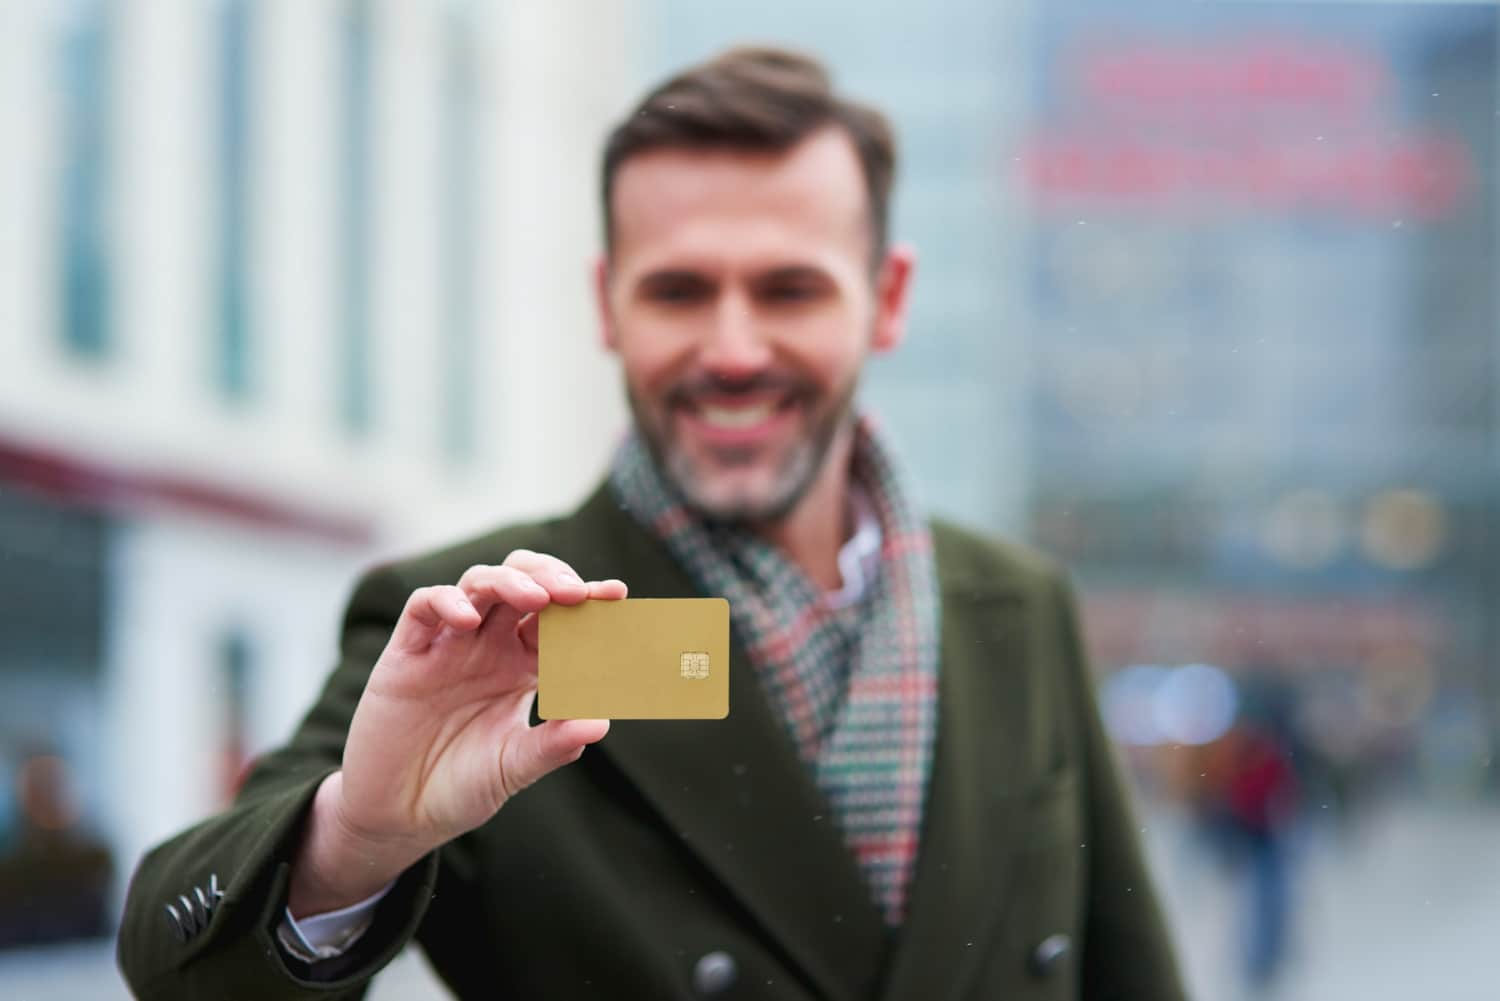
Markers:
point(1206, 309)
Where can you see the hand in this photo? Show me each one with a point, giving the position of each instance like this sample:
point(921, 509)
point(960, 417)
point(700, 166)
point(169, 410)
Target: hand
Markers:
point(442, 737)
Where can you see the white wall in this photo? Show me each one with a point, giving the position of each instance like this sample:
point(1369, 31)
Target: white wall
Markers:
point(550, 76)
point(178, 587)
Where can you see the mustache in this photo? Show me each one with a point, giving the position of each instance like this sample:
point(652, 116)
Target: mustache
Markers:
point(761, 383)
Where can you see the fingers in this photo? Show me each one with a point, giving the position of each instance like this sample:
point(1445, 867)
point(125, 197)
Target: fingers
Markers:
point(607, 590)
point(488, 586)
point(547, 747)
point(427, 610)
point(559, 579)
point(525, 584)
point(529, 630)
point(599, 590)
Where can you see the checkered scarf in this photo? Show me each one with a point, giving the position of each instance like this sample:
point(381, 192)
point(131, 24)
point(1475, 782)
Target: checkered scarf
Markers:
point(856, 686)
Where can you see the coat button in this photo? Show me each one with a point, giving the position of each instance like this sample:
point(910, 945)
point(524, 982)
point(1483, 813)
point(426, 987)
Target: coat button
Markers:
point(178, 929)
point(714, 972)
point(1049, 955)
point(192, 916)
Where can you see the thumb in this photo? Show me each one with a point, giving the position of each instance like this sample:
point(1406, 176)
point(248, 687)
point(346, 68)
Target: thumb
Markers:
point(548, 746)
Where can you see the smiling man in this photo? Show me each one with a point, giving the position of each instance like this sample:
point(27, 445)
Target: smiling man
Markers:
point(912, 796)
point(743, 291)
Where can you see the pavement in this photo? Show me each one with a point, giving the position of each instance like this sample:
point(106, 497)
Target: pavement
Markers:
point(1403, 907)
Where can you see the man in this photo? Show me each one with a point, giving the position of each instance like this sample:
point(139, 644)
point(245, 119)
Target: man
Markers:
point(911, 797)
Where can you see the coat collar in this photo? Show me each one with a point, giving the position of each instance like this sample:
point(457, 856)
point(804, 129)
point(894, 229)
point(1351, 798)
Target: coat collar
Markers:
point(737, 795)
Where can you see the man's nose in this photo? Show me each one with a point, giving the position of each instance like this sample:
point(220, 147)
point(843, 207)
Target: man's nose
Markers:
point(735, 346)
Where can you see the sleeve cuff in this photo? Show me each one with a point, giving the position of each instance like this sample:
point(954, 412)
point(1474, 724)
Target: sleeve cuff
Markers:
point(324, 936)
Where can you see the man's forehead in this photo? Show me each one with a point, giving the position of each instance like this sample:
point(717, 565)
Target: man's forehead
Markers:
point(676, 196)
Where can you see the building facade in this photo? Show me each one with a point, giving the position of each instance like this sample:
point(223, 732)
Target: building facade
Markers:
point(285, 288)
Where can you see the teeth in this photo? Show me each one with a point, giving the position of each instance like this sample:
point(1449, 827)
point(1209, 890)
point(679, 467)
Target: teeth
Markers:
point(738, 417)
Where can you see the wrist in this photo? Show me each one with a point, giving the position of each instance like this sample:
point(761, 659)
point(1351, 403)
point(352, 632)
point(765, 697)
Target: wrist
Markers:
point(336, 866)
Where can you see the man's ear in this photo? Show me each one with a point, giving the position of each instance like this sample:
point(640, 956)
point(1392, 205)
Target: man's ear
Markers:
point(607, 334)
point(892, 292)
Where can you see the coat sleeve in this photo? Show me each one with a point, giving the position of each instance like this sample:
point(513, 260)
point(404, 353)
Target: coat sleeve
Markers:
point(246, 853)
point(1127, 949)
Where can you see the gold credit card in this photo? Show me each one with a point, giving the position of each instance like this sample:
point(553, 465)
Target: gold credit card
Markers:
point(638, 658)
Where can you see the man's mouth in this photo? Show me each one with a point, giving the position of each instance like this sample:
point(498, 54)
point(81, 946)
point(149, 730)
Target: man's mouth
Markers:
point(737, 418)
point(737, 421)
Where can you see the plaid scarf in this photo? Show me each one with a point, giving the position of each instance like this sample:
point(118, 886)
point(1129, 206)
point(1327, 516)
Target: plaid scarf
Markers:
point(855, 686)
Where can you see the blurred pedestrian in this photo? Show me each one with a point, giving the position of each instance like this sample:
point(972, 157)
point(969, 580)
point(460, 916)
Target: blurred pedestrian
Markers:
point(1251, 804)
point(54, 874)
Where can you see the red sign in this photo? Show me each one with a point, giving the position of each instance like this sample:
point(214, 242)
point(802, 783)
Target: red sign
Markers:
point(1242, 124)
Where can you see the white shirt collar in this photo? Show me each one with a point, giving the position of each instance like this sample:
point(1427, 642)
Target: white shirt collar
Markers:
point(859, 558)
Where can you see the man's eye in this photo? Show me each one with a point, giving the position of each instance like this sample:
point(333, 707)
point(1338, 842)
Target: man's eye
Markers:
point(676, 293)
point(790, 292)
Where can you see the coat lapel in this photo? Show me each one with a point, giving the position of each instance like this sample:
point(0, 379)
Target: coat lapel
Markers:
point(735, 791)
point(971, 823)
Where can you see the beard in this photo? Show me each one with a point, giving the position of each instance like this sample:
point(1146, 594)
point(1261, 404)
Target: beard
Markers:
point(794, 469)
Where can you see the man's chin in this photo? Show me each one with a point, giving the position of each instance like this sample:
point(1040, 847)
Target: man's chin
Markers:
point(753, 484)
point(733, 504)
point(732, 496)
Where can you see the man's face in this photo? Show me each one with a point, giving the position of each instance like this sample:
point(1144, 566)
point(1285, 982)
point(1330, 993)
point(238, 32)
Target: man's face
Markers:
point(740, 297)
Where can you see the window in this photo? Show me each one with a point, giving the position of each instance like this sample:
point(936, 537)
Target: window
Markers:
point(85, 275)
point(234, 360)
point(460, 126)
point(355, 403)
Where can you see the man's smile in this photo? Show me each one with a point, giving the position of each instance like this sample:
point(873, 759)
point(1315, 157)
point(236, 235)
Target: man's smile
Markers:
point(735, 421)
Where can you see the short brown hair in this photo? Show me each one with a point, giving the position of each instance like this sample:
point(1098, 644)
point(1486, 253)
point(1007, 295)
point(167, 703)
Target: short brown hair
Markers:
point(754, 99)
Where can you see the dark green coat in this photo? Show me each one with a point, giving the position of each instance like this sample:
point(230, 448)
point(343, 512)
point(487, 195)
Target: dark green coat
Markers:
point(669, 841)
